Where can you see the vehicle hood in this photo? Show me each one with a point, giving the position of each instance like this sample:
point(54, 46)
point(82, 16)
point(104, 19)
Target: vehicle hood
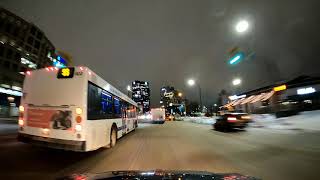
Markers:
point(159, 174)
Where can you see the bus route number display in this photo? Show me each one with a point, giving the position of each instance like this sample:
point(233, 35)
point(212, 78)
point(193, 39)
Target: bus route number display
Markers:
point(65, 73)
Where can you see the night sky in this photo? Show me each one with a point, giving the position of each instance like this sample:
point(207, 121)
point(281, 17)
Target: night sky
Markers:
point(167, 42)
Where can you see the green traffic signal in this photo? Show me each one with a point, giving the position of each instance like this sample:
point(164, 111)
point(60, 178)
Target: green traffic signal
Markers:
point(236, 58)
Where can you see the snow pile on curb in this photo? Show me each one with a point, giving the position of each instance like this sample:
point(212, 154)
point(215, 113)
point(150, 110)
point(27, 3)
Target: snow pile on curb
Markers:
point(308, 120)
point(200, 120)
point(262, 120)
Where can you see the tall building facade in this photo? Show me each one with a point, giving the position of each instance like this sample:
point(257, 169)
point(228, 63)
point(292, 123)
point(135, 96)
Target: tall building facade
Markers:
point(23, 47)
point(141, 94)
point(172, 100)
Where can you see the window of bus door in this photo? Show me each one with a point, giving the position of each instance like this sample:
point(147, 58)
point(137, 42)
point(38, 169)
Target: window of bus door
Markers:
point(131, 111)
point(124, 109)
point(117, 107)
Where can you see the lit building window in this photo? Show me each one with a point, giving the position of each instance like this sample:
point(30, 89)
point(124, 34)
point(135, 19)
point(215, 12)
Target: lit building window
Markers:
point(28, 63)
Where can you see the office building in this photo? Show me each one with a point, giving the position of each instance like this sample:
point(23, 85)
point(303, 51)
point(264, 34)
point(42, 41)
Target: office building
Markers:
point(172, 100)
point(23, 47)
point(141, 95)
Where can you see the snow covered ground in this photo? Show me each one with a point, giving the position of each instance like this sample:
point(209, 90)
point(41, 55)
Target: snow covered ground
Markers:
point(309, 120)
point(200, 120)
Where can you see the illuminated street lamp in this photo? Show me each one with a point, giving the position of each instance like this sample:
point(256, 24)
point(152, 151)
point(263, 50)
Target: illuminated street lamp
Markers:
point(236, 82)
point(192, 82)
point(242, 26)
point(128, 90)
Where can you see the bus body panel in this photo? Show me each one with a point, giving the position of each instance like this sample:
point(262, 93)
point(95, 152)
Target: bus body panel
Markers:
point(44, 93)
point(99, 131)
point(43, 88)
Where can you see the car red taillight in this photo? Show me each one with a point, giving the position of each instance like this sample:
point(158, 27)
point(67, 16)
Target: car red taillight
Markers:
point(231, 119)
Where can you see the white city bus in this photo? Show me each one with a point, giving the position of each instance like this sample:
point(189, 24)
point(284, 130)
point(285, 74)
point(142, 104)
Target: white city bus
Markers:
point(74, 109)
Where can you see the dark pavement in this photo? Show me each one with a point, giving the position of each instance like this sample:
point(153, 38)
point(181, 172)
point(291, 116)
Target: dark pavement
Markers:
point(264, 153)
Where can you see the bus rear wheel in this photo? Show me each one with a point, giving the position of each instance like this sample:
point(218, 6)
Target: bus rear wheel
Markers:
point(113, 137)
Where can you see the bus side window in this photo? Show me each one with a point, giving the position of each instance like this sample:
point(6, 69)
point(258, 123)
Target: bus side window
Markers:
point(134, 112)
point(130, 111)
point(94, 102)
point(107, 103)
point(100, 103)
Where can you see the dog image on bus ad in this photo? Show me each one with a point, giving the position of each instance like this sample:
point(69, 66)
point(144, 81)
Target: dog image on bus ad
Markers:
point(61, 120)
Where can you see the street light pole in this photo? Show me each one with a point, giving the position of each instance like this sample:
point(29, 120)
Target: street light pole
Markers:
point(128, 90)
point(191, 82)
point(200, 97)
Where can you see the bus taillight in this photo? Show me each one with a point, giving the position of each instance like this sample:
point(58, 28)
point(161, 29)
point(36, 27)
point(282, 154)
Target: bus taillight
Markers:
point(79, 111)
point(78, 127)
point(45, 131)
point(21, 114)
point(21, 108)
point(21, 122)
point(78, 119)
